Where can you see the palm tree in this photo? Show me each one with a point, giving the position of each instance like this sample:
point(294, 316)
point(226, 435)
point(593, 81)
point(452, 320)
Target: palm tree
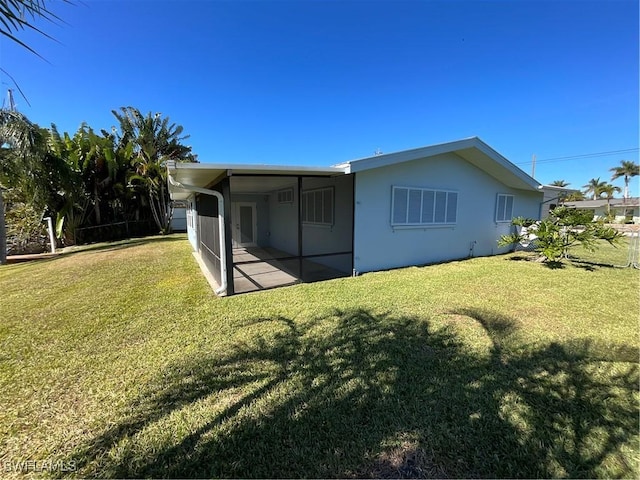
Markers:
point(609, 191)
point(154, 142)
point(23, 139)
point(627, 169)
point(594, 187)
point(574, 197)
point(562, 196)
point(16, 15)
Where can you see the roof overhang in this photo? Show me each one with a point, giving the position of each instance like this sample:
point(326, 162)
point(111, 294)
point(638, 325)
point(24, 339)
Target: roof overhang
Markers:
point(473, 150)
point(555, 188)
point(206, 175)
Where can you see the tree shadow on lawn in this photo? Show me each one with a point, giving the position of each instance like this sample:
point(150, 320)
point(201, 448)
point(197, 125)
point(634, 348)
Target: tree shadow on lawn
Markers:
point(536, 258)
point(97, 247)
point(125, 243)
point(593, 266)
point(356, 394)
point(589, 265)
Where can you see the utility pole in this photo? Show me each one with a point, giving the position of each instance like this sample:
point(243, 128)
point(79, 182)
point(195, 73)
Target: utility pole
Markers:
point(12, 102)
point(533, 166)
point(3, 227)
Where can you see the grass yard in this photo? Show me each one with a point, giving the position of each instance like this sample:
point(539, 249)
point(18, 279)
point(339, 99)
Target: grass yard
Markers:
point(118, 361)
point(625, 252)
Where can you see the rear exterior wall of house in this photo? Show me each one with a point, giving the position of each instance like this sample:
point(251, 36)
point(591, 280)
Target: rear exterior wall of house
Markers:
point(472, 225)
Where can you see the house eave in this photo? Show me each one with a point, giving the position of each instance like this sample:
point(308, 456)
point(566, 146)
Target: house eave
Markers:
point(473, 150)
point(555, 188)
point(204, 175)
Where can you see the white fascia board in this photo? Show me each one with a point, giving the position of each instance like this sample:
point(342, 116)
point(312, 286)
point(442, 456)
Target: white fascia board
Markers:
point(202, 174)
point(559, 189)
point(384, 160)
point(258, 169)
point(457, 146)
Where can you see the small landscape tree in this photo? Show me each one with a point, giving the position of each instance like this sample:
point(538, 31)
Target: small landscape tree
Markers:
point(564, 228)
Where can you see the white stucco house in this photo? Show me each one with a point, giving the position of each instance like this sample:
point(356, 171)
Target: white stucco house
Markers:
point(260, 226)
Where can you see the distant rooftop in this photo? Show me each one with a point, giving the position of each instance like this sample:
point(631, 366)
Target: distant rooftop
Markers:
point(614, 202)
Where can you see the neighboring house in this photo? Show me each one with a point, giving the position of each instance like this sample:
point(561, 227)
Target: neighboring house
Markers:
point(259, 226)
point(624, 210)
point(553, 197)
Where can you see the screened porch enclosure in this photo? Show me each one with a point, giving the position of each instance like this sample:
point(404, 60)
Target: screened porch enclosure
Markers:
point(208, 235)
point(290, 229)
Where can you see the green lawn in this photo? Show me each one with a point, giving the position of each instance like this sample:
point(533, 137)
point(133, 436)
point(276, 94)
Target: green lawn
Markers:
point(606, 254)
point(119, 361)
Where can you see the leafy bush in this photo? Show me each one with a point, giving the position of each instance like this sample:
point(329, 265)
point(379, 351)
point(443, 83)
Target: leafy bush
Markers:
point(25, 231)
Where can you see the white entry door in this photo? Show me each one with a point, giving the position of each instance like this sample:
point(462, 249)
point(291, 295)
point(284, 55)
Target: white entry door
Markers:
point(244, 224)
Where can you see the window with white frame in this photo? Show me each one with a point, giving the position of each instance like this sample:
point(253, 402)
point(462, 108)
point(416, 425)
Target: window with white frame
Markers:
point(317, 206)
point(504, 208)
point(285, 196)
point(411, 206)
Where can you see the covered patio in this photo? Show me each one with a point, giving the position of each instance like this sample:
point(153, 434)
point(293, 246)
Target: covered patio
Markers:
point(261, 227)
point(256, 268)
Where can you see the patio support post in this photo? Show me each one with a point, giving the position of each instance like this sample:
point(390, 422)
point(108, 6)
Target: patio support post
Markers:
point(353, 225)
point(226, 193)
point(300, 226)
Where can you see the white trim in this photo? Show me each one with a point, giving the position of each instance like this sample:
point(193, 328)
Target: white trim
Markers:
point(232, 168)
point(473, 150)
point(432, 226)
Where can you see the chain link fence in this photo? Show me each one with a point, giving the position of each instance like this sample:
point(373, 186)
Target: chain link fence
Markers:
point(625, 253)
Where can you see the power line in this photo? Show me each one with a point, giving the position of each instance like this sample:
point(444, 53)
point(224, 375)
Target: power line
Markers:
point(585, 155)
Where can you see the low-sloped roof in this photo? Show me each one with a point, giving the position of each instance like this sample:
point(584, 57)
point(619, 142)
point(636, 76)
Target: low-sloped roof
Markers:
point(473, 150)
point(203, 175)
point(602, 202)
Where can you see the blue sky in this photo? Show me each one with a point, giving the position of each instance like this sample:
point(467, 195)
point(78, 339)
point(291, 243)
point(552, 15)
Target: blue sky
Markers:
point(321, 82)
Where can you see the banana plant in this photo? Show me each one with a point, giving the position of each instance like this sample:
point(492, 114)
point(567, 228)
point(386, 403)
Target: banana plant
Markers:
point(154, 141)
